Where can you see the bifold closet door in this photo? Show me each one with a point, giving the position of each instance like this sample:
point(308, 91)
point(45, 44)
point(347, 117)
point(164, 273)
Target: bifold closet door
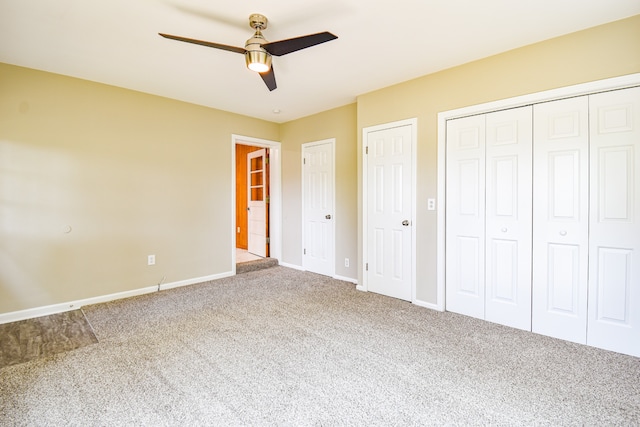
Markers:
point(465, 209)
point(488, 234)
point(614, 240)
point(560, 218)
point(508, 217)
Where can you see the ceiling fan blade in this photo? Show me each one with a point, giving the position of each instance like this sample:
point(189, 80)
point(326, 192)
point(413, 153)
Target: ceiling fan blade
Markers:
point(204, 43)
point(282, 47)
point(269, 79)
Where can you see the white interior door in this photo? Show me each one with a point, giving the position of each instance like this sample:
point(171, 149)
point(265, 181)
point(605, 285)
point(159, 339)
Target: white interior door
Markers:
point(465, 210)
point(560, 218)
point(257, 206)
point(508, 217)
point(389, 210)
point(318, 207)
point(614, 240)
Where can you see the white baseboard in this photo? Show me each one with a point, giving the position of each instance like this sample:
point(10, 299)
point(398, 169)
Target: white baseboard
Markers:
point(417, 302)
point(196, 280)
point(335, 276)
point(295, 267)
point(427, 305)
point(346, 279)
point(47, 310)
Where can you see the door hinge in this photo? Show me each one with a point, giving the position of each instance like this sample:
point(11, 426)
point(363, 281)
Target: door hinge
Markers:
point(304, 160)
point(267, 199)
point(266, 160)
point(304, 251)
point(366, 267)
point(366, 150)
point(268, 240)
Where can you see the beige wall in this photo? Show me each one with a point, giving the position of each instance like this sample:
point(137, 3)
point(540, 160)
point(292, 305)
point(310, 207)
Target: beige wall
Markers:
point(134, 174)
point(130, 174)
point(339, 123)
point(597, 53)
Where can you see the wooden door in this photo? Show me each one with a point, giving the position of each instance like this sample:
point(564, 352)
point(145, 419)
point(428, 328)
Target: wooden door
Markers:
point(257, 202)
point(241, 194)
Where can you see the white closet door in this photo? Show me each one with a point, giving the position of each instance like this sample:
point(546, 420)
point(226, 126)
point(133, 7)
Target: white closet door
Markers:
point(560, 218)
point(614, 242)
point(465, 216)
point(508, 217)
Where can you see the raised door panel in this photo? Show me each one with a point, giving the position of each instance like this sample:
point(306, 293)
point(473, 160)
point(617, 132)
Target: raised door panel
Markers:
point(508, 217)
point(465, 216)
point(560, 218)
point(389, 212)
point(614, 244)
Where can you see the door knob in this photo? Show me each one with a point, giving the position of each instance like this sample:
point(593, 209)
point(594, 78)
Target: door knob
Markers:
point(405, 222)
point(327, 216)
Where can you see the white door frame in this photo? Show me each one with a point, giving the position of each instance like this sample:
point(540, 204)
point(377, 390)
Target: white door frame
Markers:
point(413, 122)
point(275, 194)
point(518, 101)
point(331, 141)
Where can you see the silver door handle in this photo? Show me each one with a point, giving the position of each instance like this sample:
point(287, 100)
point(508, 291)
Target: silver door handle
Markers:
point(327, 216)
point(405, 222)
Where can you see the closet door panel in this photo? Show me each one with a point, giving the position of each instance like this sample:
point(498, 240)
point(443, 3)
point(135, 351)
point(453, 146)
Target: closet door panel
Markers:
point(560, 218)
point(508, 217)
point(614, 243)
point(465, 216)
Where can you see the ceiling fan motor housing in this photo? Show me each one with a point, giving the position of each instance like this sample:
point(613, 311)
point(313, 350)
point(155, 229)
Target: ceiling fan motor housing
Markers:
point(256, 57)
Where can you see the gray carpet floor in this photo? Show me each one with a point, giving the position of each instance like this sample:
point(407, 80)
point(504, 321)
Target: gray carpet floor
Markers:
point(43, 336)
point(259, 264)
point(284, 347)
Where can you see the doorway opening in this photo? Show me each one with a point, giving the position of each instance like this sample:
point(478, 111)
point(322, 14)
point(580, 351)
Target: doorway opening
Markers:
point(252, 200)
point(256, 194)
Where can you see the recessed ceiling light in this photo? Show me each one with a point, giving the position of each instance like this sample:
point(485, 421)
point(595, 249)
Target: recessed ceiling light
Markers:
point(276, 111)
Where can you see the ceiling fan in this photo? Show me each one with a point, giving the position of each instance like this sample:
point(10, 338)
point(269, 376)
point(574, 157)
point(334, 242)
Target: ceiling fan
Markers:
point(258, 51)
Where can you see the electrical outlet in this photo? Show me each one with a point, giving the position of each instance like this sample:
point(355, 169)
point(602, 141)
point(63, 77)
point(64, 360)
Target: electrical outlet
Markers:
point(431, 204)
point(346, 262)
point(151, 260)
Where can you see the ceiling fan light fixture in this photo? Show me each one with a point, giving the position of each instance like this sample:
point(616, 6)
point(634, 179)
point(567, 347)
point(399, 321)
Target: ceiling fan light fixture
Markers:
point(258, 60)
point(258, 51)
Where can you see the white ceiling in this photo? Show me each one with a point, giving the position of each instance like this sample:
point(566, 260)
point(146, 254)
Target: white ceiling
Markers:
point(380, 43)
